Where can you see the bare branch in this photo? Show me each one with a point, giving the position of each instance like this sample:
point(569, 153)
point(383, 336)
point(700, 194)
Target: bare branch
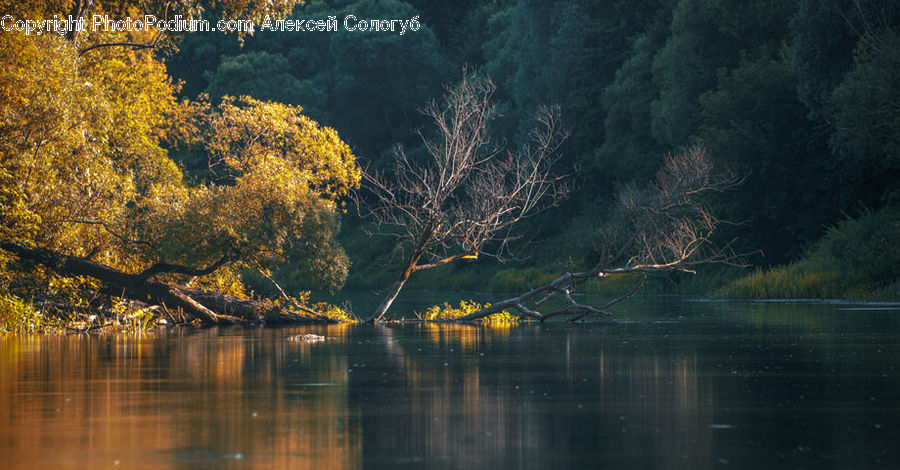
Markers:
point(468, 193)
point(661, 229)
point(293, 301)
point(136, 45)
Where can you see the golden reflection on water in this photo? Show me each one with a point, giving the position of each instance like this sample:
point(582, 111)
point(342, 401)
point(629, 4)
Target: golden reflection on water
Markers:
point(465, 336)
point(223, 399)
point(456, 395)
point(196, 399)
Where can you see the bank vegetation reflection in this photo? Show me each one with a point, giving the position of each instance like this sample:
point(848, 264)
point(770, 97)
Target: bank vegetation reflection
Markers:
point(470, 395)
point(478, 395)
point(223, 399)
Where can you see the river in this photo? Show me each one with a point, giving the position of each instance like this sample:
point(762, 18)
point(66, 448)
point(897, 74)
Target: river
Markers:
point(674, 383)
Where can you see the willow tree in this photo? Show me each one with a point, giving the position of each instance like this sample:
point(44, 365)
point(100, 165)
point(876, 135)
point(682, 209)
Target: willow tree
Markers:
point(463, 199)
point(93, 203)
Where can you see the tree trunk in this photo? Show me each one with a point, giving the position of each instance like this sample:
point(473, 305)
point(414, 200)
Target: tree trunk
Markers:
point(392, 294)
point(208, 307)
point(394, 290)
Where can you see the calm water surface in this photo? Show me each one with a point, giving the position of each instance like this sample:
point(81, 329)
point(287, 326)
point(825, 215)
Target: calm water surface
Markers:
point(675, 384)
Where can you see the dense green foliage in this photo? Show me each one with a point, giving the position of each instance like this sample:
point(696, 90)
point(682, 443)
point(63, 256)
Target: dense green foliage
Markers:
point(800, 96)
point(133, 157)
point(856, 259)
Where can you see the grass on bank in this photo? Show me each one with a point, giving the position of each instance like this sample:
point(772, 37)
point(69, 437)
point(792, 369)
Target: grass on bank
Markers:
point(857, 259)
point(341, 314)
point(18, 316)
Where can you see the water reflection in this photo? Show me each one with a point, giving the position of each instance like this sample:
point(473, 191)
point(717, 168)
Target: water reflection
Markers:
point(210, 398)
point(465, 336)
point(676, 385)
point(546, 394)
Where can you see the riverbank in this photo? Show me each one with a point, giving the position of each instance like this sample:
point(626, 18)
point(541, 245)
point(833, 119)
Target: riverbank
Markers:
point(857, 259)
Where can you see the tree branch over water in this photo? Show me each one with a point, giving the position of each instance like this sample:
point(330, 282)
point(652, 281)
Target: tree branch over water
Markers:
point(663, 228)
point(462, 201)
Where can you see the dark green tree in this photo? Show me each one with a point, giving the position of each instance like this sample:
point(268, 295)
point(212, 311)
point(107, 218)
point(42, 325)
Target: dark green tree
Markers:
point(266, 76)
point(754, 123)
point(707, 35)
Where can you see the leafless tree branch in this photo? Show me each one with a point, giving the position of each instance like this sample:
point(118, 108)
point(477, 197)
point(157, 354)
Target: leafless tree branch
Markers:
point(663, 228)
point(463, 199)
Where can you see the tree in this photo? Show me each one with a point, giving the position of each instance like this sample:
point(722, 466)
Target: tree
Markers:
point(92, 199)
point(663, 228)
point(468, 194)
point(754, 122)
point(264, 76)
point(375, 81)
point(86, 39)
point(707, 35)
point(628, 142)
point(824, 35)
point(863, 115)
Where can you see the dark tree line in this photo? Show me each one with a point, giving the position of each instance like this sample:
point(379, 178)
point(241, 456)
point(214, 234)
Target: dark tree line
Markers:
point(168, 167)
point(801, 96)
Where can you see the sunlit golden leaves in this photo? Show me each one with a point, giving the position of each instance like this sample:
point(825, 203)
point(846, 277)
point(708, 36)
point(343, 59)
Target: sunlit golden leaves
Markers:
point(233, 9)
point(246, 133)
point(85, 167)
point(50, 148)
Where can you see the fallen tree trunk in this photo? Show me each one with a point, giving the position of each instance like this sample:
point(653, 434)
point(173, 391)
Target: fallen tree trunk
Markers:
point(663, 228)
point(564, 285)
point(208, 307)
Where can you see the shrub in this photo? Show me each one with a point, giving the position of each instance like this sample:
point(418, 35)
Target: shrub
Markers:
point(448, 312)
point(19, 316)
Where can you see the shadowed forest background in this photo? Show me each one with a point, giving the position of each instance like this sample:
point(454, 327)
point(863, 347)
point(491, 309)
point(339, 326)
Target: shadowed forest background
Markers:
point(802, 97)
point(226, 167)
point(510, 162)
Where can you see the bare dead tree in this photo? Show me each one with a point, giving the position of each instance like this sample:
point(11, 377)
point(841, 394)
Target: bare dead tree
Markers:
point(660, 229)
point(463, 199)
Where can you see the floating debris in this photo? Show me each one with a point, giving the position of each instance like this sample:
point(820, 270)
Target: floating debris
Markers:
point(307, 338)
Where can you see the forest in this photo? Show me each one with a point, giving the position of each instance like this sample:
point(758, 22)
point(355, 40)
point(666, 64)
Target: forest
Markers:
point(719, 149)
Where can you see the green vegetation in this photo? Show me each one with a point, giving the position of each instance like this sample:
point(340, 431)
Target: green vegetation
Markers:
point(856, 259)
point(180, 175)
point(301, 305)
point(111, 185)
point(19, 316)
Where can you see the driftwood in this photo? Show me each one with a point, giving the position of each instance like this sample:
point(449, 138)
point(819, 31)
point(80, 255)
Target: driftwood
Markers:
point(664, 228)
point(208, 307)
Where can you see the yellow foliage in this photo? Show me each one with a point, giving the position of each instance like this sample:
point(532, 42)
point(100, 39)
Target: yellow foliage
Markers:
point(448, 312)
point(226, 281)
point(248, 134)
point(86, 170)
point(333, 312)
point(19, 316)
point(325, 309)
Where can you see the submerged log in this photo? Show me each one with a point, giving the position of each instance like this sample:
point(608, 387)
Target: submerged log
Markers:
point(208, 307)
